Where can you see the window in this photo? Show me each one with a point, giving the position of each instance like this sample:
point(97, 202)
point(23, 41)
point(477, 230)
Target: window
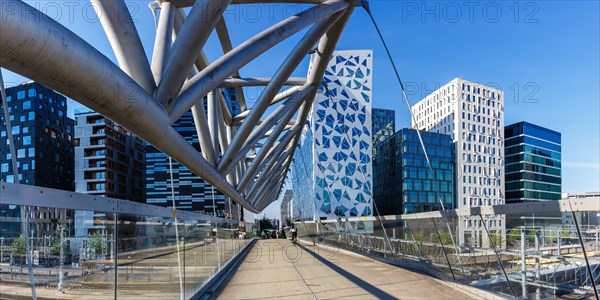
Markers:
point(31, 93)
point(26, 139)
point(27, 104)
point(31, 115)
point(22, 119)
point(21, 153)
point(16, 130)
point(31, 152)
point(4, 167)
point(20, 95)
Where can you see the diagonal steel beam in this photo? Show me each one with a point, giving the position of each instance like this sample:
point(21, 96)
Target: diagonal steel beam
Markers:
point(259, 81)
point(223, 34)
point(266, 151)
point(61, 60)
point(287, 110)
point(210, 78)
point(284, 72)
point(125, 41)
point(191, 39)
point(162, 43)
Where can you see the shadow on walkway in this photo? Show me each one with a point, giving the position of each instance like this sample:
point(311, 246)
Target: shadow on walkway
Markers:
point(359, 282)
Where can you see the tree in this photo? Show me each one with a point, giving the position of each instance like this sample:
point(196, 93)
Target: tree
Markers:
point(96, 243)
point(513, 236)
point(265, 223)
point(496, 239)
point(565, 233)
point(18, 245)
point(445, 237)
point(55, 246)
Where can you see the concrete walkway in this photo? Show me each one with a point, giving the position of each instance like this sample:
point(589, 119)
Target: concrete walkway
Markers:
point(279, 269)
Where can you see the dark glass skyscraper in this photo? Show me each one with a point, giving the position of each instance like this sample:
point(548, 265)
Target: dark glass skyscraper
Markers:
point(43, 138)
point(191, 192)
point(382, 117)
point(533, 163)
point(403, 182)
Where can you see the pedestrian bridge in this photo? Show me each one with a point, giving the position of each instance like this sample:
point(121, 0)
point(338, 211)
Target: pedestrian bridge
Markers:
point(278, 269)
point(141, 250)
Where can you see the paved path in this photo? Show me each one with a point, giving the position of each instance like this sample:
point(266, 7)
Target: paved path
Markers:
point(279, 269)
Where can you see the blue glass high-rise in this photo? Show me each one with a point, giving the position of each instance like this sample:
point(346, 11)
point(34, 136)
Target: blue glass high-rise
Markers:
point(403, 181)
point(533, 163)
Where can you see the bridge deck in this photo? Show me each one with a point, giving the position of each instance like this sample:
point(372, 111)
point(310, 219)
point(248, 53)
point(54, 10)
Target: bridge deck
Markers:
point(278, 269)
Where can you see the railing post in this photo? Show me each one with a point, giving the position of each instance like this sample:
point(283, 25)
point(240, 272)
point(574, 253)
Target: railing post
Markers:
point(523, 265)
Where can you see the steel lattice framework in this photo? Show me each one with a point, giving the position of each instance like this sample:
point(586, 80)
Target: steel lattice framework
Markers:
point(246, 157)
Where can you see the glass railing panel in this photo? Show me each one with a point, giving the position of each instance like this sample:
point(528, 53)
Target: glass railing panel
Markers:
point(147, 256)
point(83, 253)
point(197, 266)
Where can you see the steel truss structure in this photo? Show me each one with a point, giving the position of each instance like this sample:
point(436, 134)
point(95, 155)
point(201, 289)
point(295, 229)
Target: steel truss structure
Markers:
point(247, 156)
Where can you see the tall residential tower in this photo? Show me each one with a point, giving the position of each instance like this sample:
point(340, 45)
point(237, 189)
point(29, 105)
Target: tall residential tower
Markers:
point(473, 114)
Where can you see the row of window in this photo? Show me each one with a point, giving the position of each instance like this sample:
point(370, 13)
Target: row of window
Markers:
point(532, 159)
point(532, 141)
point(515, 195)
point(533, 177)
point(480, 180)
point(426, 185)
point(532, 150)
point(518, 167)
point(528, 185)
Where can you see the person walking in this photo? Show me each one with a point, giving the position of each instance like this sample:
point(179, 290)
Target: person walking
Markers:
point(294, 234)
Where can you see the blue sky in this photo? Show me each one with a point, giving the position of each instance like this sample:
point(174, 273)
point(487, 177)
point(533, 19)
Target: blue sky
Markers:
point(545, 55)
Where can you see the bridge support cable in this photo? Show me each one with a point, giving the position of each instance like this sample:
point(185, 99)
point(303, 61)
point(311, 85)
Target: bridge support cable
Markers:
point(406, 100)
point(587, 262)
point(23, 209)
point(514, 294)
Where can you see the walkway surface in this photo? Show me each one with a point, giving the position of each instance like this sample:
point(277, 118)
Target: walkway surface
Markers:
point(279, 269)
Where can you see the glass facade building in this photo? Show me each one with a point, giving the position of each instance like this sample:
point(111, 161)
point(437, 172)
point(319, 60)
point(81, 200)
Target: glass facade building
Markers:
point(193, 193)
point(533, 163)
point(403, 181)
point(43, 139)
point(383, 117)
point(332, 169)
point(384, 126)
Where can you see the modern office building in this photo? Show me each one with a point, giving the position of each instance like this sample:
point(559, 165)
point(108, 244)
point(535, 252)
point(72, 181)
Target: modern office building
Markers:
point(384, 126)
point(533, 163)
point(109, 162)
point(404, 183)
point(383, 117)
point(193, 193)
point(473, 114)
point(332, 168)
point(43, 138)
point(382, 135)
point(286, 208)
